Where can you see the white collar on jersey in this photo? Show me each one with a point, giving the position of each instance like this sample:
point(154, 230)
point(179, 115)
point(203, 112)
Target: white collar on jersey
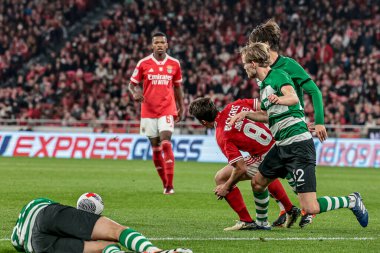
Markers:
point(160, 62)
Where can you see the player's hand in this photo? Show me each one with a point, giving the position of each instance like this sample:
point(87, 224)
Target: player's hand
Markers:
point(311, 127)
point(179, 116)
point(238, 117)
point(320, 131)
point(221, 191)
point(274, 99)
point(138, 96)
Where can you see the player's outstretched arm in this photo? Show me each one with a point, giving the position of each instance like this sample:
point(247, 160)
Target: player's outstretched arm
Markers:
point(259, 116)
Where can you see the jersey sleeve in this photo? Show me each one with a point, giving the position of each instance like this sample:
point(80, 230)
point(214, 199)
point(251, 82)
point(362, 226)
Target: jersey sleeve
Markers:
point(177, 78)
point(253, 104)
point(316, 96)
point(137, 75)
point(310, 87)
point(298, 73)
point(232, 152)
point(282, 79)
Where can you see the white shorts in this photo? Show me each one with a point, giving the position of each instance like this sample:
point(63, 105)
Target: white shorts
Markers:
point(151, 127)
point(253, 163)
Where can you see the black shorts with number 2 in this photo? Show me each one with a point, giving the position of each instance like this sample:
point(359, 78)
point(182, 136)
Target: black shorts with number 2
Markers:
point(298, 158)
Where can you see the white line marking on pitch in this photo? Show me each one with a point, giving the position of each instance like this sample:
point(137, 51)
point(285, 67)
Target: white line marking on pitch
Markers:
point(258, 238)
point(266, 239)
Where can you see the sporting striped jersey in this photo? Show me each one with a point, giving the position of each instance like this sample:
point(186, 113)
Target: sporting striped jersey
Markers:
point(287, 123)
point(22, 232)
point(302, 81)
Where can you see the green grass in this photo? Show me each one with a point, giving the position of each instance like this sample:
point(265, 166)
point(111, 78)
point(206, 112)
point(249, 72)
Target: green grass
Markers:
point(192, 216)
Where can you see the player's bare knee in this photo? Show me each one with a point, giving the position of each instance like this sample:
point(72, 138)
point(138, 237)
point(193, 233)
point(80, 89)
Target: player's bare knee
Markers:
point(219, 178)
point(257, 188)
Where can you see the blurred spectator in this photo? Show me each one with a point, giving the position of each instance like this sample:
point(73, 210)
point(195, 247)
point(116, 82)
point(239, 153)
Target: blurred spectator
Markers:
point(337, 43)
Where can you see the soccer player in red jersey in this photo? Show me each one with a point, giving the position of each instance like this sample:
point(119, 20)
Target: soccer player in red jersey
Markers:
point(161, 104)
point(254, 138)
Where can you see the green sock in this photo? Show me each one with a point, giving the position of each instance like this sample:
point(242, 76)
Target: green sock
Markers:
point(262, 203)
point(291, 182)
point(112, 248)
point(331, 203)
point(134, 241)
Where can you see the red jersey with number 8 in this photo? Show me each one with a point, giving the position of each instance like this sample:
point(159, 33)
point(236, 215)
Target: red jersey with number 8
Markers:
point(248, 136)
point(159, 78)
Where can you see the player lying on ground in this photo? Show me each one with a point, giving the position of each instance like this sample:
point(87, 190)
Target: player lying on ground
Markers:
point(294, 150)
point(47, 226)
point(254, 138)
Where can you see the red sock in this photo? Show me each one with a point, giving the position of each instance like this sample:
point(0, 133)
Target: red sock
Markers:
point(278, 192)
point(236, 202)
point(159, 164)
point(169, 162)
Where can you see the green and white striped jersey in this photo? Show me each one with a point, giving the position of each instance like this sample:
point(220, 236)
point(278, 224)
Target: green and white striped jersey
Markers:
point(287, 123)
point(22, 232)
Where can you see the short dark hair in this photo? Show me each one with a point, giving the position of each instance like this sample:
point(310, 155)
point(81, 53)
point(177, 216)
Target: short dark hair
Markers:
point(203, 109)
point(268, 32)
point(159, 34)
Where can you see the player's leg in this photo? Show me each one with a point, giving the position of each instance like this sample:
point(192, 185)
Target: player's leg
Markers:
point(149, 128)
point(63, 229)
point(110, 248)
point(261, 198)
point(158, 159)
point(278, 192)
point(271, 168)
point(235, 200)
point(313, 205)
point(107, 229)
point(304, 173)
point(306, 219)
point(166, 128)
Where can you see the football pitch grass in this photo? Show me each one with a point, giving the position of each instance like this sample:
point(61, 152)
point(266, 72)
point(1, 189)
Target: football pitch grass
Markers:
point(192, 217)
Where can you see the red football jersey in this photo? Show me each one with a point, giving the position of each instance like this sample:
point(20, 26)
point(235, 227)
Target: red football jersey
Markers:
point(159, 78)
point(248, 136)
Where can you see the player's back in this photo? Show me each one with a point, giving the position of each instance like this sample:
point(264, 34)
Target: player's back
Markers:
point(296, 72)
point(248, 136)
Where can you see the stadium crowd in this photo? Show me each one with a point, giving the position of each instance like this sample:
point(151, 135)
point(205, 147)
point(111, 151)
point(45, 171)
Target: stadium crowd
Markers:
point(28, 28)
point(336, 42)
